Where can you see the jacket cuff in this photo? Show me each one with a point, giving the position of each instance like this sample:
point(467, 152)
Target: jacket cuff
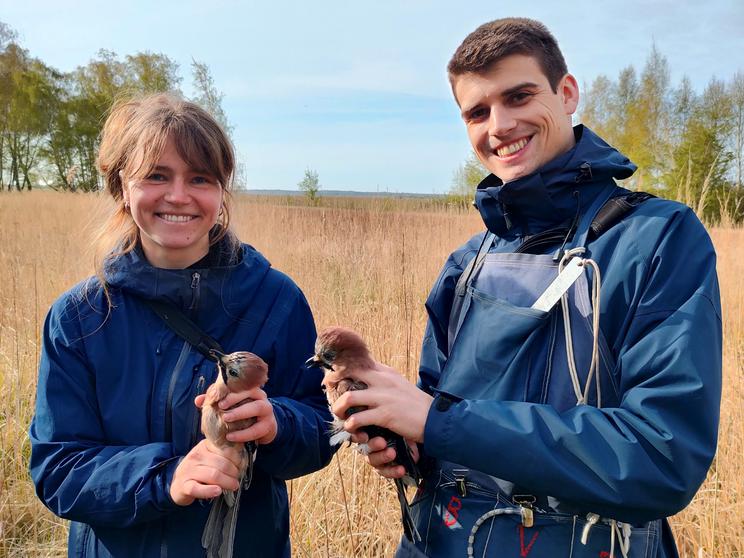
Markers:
point(439, 426)
point(164, 480)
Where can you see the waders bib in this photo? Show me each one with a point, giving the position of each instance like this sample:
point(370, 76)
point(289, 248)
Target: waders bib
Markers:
point(502, 349)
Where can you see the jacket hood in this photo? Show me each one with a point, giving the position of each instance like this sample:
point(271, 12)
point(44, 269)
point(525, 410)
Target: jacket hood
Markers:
point(132, 273)
point(547, 197)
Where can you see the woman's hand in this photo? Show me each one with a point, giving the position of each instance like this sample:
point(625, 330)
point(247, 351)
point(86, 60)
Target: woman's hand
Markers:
point(204, 473)
point(254, 407)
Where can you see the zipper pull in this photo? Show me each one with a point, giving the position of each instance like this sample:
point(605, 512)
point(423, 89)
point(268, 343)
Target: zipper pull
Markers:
point(460, 476)
point(591, 521)
point(525, 502)
point(195, 278)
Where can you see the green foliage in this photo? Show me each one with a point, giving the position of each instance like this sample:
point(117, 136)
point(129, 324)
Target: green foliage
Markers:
point(310, 185)
point(207, 95)
point(50, 122)
point(688, 147)
point(465, 180)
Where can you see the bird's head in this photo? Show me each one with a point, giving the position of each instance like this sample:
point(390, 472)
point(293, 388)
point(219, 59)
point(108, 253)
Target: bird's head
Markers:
point(335, 343)
point(243, 370)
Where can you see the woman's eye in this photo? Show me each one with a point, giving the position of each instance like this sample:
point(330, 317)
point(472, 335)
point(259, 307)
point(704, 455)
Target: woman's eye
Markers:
point(156, 177)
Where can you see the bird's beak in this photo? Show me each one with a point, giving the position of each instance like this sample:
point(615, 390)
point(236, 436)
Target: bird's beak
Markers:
point(316, 362)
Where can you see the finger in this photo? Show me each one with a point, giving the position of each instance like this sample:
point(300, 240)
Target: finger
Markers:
point(358, 398)
point(381, 458)
point(239, 396)
point(255, 432)
point(391, 472)
point(199, 400)
point(251, 409)
point(360, 437)
point(364, 418)
point(201, 491)
point(228, 459)
point(378, 443)
point(215, 477)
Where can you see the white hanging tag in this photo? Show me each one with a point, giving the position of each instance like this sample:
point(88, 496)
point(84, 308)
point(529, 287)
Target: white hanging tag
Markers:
point(560, 285)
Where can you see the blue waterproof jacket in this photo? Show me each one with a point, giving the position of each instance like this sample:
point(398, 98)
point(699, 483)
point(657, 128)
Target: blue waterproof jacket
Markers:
point(115, 405)
point(644, 458)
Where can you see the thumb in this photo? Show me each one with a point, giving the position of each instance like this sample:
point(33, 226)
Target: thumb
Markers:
point(199, 400)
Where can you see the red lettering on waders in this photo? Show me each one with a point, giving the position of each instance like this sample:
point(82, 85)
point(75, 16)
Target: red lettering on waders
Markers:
point(524, 551)
point(453, 510)
point(604, 554)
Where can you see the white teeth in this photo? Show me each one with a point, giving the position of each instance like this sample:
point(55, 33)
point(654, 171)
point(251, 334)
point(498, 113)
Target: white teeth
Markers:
point(176, 218)
point(512, 147)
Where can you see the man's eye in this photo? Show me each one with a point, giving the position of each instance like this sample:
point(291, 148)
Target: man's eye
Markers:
point(519, 98)
point(478, 114)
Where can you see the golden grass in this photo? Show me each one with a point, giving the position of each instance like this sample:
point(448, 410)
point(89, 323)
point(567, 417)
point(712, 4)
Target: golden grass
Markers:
point(364, 263)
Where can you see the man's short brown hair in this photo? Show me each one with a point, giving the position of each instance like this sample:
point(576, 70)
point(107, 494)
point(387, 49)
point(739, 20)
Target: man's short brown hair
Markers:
point(500, 38)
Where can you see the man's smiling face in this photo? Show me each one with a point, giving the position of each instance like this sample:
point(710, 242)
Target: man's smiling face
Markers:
point(515, 122)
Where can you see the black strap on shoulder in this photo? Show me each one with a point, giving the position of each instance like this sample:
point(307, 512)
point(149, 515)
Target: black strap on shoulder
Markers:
point(186, 329)
point(615, 209)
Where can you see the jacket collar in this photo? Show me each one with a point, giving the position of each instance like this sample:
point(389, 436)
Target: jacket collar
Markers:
point(133, 274)
point(556, 192)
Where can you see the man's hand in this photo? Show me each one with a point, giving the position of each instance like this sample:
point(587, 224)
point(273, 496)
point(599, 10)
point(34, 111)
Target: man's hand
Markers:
point(204, 473)
point(380, 455)
point(257, 406)
point(392, 402)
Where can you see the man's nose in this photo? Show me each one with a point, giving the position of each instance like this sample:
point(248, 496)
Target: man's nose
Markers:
point(501, 122)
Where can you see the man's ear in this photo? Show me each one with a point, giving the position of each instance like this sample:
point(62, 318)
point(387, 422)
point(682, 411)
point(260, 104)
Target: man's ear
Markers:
point(568, 89)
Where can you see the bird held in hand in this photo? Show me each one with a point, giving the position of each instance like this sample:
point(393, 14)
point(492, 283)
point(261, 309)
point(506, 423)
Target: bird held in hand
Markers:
point(341, 352)
point(240, 371)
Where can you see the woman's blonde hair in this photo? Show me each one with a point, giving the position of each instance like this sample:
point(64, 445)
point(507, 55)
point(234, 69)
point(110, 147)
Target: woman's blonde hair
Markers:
point(132, 141)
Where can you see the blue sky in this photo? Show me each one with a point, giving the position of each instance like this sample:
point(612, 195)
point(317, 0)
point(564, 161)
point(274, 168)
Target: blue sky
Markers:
point(358, 91)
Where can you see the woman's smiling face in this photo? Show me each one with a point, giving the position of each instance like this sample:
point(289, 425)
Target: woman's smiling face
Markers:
point(174, 206)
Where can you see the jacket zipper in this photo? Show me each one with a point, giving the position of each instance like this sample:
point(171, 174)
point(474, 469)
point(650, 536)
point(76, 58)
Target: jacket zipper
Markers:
point(195, 290)
point(195, 430)
point(185, 350)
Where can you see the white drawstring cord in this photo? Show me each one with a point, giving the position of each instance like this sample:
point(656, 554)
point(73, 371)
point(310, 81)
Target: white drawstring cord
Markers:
point(582, 396)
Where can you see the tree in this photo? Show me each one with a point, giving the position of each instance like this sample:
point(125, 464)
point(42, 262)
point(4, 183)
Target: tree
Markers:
point(465, 179)
point(207, 95)
point(310, 185)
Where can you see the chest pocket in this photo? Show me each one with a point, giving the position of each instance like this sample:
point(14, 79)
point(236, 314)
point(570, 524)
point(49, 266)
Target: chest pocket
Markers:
point(501, 348)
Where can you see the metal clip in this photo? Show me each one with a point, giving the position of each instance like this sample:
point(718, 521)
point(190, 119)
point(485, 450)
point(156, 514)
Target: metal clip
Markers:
point(591, 520)
point(525, 502)
point(460, 476)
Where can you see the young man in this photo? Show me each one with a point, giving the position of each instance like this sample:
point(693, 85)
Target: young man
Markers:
point(555, 427)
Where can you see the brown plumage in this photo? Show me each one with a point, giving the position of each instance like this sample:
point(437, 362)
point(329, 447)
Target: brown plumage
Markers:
point(240, 371)
point(341, 352)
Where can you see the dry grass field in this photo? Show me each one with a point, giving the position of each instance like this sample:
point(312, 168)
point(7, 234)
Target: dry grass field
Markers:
point(367, 264)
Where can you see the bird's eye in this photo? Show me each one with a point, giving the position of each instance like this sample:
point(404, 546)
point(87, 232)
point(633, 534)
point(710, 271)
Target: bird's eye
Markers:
point(328, 356)
point(233, 373)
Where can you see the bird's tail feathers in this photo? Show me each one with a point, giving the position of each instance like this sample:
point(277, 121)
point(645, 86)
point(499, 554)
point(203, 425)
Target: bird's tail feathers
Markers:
point(409, 526)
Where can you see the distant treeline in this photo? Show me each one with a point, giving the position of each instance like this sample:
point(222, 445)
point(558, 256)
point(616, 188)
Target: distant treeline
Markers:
point(50, 121)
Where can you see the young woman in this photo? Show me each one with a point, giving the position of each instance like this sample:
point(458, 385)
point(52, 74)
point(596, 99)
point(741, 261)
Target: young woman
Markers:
point(116, 440)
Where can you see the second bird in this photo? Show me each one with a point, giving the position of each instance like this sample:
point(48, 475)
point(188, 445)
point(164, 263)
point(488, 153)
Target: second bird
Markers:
point(341, 352)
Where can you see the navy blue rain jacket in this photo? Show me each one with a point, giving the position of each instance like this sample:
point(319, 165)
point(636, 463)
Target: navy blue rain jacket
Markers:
point(115, 405)
point(661, 314)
